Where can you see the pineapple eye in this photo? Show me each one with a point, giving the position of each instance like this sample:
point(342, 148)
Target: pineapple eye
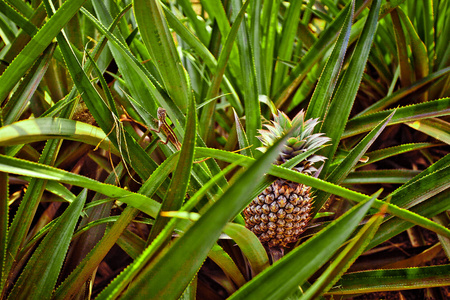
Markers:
point(265, 209)
point(261, 199)
point(264, 218)
point(273, 217)
point(274, 207)
point(289, 217)
point(281, 214)
point(270, 198)
point(289, 208)
point(282, 201)
point(271, 226)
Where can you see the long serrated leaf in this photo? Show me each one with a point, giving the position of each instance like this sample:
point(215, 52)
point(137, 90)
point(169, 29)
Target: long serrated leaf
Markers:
point(38, 279)
point(279, 281)
point(206, 121)
point(381, 154)
point(159, 42)
point(135, 155)
point(41, 129)
point(148, 83)
point(205, 55)
point(342, 102)
point(224, 261)
point(286, 40)
point(72, 284)
point(18, 19)
point(242, 137)
point(380, 176)
point(4, 219)
point(346, 258)
point(26, 168)
point(250, 84)
point(20, 65)
point(409, 113)
point(422, 189)
point(427, 209)
point(392, 280)
point(180, 181)
point(314, 54)
point(402, 52)
point(325, 87)
point(18, 102)
point(418, 48)
point(437, 128)
point(416, 87)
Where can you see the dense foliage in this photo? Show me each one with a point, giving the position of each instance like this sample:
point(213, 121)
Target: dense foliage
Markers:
point(99, 200)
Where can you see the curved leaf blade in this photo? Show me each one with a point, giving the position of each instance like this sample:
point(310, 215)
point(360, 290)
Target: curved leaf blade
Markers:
point(39, 276)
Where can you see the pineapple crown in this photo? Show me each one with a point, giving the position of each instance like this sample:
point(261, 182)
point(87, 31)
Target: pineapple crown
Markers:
point(301, 141)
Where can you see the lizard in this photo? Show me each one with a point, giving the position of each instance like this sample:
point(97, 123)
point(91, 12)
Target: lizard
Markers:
point(162, 127)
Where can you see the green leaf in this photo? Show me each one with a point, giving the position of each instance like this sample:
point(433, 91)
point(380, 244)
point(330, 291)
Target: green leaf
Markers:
point(322, 94)
point(207, 120)
point(381, 154)
point(287, 38)
point(314, 54)
point(346, 258)
point(435, 108)
point(26, 58)
point(250, 246)
point(76, 279)
point(427, 209)
point(418, 48)
point(345, 95)
point(416, 87)
point(380, 176)
point(285, 275)
point(38, 279)
point(122, 281)
point(161, 47)
point(26, 168)
point(204, 54)
point(402, 52)
point(4, 219)
point(135, 155)
point(242, 137)
point(224, 261)
point(42, 129)
point(250, 88)
point(419, 190)
point(434, 127)
point(180, 181)
point(18, 102)
point(392, 280)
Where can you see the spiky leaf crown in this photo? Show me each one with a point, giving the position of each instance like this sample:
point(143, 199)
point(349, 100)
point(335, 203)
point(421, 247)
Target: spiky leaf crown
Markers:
point(301, 141)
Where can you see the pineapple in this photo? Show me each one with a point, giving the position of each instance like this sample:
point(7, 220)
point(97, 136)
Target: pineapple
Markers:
point(280, 213)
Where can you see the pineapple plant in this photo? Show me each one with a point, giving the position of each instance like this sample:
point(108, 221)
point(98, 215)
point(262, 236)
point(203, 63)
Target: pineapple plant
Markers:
point(280, 213)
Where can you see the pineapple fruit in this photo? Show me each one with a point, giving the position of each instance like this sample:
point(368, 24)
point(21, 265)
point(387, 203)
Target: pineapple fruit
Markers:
point(280, 213)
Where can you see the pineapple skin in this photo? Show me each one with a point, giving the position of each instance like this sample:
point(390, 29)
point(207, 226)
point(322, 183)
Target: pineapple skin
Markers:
point(281, 212)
